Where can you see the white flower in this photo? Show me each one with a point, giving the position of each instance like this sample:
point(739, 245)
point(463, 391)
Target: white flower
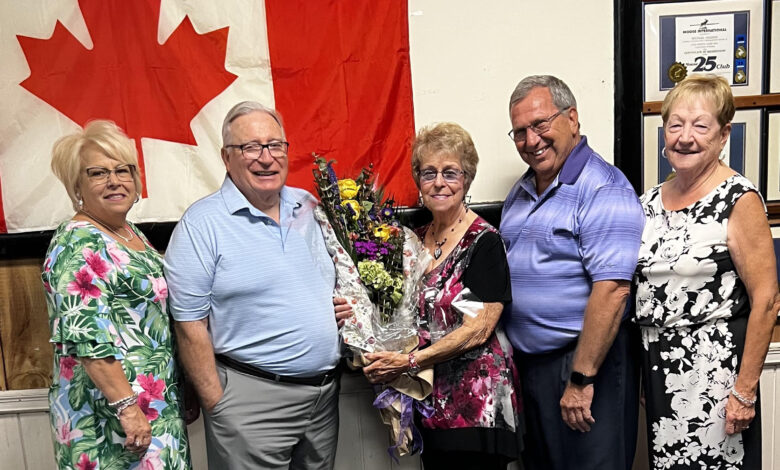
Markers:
point(687, 405)
point(671, 249)
point(732, 448)
point(667, 432)
point(727, 282)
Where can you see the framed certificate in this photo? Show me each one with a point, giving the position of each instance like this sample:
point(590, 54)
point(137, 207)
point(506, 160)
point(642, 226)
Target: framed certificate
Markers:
point(723, 37)
point(774, 47)
point(742, 151)
point(773, 159)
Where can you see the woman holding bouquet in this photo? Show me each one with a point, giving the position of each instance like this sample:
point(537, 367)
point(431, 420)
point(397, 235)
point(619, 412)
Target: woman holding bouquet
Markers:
point(476, 421)
point(114, 400)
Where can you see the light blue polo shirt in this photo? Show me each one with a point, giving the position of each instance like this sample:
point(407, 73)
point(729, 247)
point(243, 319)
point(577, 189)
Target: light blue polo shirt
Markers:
point(586, 227)
point(266, 288)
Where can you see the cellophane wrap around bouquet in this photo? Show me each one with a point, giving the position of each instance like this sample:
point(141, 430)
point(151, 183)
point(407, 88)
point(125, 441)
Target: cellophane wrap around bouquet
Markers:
point(379, 264)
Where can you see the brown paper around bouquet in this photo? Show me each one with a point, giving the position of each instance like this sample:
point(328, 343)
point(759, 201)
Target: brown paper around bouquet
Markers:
point(417, 387)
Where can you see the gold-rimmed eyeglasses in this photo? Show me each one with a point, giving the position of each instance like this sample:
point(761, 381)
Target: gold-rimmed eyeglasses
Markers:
point(99, 174)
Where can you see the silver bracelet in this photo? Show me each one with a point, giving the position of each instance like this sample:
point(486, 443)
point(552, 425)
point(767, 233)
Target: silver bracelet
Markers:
point(121, 405)
point(745, 401)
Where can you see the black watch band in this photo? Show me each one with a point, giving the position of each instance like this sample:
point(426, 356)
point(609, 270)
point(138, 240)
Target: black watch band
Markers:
point(578, 378)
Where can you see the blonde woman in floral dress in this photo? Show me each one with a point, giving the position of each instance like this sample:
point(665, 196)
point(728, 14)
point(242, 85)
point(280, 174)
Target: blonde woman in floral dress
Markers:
point(706, 292)
point(114, 397)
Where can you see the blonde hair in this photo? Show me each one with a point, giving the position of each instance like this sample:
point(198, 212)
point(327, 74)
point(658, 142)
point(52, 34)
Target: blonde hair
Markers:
point(445, 137)
point(711, 88)
point(104, 136)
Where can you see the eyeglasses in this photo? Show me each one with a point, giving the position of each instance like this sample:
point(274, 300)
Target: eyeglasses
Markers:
point(450, 175)
point(539, 127)
point(253, 150)
point(98, 174)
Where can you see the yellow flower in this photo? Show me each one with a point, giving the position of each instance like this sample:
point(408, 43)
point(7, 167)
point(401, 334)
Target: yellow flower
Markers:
point(354, 205)
point(383, 232)
point(348, 188)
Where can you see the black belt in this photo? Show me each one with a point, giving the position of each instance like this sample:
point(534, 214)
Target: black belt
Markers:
point(317, 380)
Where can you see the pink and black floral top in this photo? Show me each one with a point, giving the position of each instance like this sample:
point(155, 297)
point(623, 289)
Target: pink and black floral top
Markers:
point(108, 301)
point(477, 389)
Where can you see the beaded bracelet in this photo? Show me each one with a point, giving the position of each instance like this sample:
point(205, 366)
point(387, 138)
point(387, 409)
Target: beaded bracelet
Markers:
point(121, 405)
point(743, 400)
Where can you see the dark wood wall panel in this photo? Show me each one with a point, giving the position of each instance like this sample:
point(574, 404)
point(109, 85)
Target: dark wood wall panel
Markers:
point(24, 326)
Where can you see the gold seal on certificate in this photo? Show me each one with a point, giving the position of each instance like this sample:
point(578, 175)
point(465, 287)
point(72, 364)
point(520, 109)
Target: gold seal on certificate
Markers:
point(740, 77)
point(740, 52)
point(677, 72)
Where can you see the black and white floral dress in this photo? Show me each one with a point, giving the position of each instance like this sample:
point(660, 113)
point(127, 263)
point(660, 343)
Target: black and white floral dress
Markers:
point(692, 309)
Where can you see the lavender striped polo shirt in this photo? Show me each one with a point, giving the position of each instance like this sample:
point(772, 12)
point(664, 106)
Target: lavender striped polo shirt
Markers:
point(585, 227)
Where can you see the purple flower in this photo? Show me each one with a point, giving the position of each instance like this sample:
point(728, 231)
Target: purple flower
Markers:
point(332, 174)
point(367, 249)
point(387, 212)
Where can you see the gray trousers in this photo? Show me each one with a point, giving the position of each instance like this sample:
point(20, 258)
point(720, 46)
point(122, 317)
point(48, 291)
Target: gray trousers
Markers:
point(262, 424)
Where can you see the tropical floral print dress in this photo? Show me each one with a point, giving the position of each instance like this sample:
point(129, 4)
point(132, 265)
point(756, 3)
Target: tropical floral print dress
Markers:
point(105, 300)
point(474, 394)
point(693, 309)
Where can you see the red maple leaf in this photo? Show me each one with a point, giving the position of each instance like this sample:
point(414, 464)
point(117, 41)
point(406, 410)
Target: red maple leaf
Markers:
point(149, 90)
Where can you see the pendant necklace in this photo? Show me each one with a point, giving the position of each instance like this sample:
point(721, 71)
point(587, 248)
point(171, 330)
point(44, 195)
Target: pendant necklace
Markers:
point(126, 239)
point(437, 251)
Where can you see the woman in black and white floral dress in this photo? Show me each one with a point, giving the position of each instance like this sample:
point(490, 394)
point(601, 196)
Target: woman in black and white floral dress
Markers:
point(706, 292)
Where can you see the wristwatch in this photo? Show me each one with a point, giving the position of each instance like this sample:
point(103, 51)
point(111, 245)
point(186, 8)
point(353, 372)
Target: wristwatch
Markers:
point(578, 378)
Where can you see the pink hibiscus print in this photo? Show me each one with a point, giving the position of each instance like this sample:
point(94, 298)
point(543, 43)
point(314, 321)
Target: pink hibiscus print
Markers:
point(82, 285)
point(85, 464)
point(96, 264)
point(151, 461)
point(118, 256)
point(65, 434)
point(153, 387)
point(159, 286)
point(144, 402)
point(66, 367)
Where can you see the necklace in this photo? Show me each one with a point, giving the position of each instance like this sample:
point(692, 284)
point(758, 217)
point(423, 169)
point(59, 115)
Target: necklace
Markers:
point(437, 251)
point(126, 239)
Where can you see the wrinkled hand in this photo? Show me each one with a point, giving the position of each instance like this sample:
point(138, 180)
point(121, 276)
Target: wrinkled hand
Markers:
point(343, 310)
point(575, 407)
point(385, 366)
point(738, 416)
point(137, 429)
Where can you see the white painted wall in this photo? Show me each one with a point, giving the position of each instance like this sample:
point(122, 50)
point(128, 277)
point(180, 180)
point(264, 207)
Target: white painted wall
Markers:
point(467, 57)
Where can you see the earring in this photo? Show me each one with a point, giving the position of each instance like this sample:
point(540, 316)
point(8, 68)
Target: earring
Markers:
point(420, 202)
point(722, 156)
point(81, 203)
point(663, 153)
point(137, 198)
point(467, 201)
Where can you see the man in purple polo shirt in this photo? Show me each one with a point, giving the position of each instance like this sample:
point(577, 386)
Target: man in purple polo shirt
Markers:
point(572, 225)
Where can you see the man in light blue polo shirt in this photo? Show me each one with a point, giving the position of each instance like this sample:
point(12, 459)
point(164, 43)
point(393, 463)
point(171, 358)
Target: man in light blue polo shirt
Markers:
point(572, 225)
point(251, 286)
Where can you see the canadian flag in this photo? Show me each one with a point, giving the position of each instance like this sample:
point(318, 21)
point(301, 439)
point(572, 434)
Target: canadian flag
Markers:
point(167, 71)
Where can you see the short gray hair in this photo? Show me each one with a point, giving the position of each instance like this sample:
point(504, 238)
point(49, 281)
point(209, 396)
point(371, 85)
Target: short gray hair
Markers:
point(247, 107)
point(562, 97)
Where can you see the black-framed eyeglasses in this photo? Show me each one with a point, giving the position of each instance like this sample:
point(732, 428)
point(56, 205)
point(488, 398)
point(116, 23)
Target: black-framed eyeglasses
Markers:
point(253, 150)
point(98, 174)
point(539, 127)
point(450, 175)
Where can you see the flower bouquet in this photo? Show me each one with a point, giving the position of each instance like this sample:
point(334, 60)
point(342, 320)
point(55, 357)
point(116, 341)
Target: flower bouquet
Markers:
point(379, 264)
